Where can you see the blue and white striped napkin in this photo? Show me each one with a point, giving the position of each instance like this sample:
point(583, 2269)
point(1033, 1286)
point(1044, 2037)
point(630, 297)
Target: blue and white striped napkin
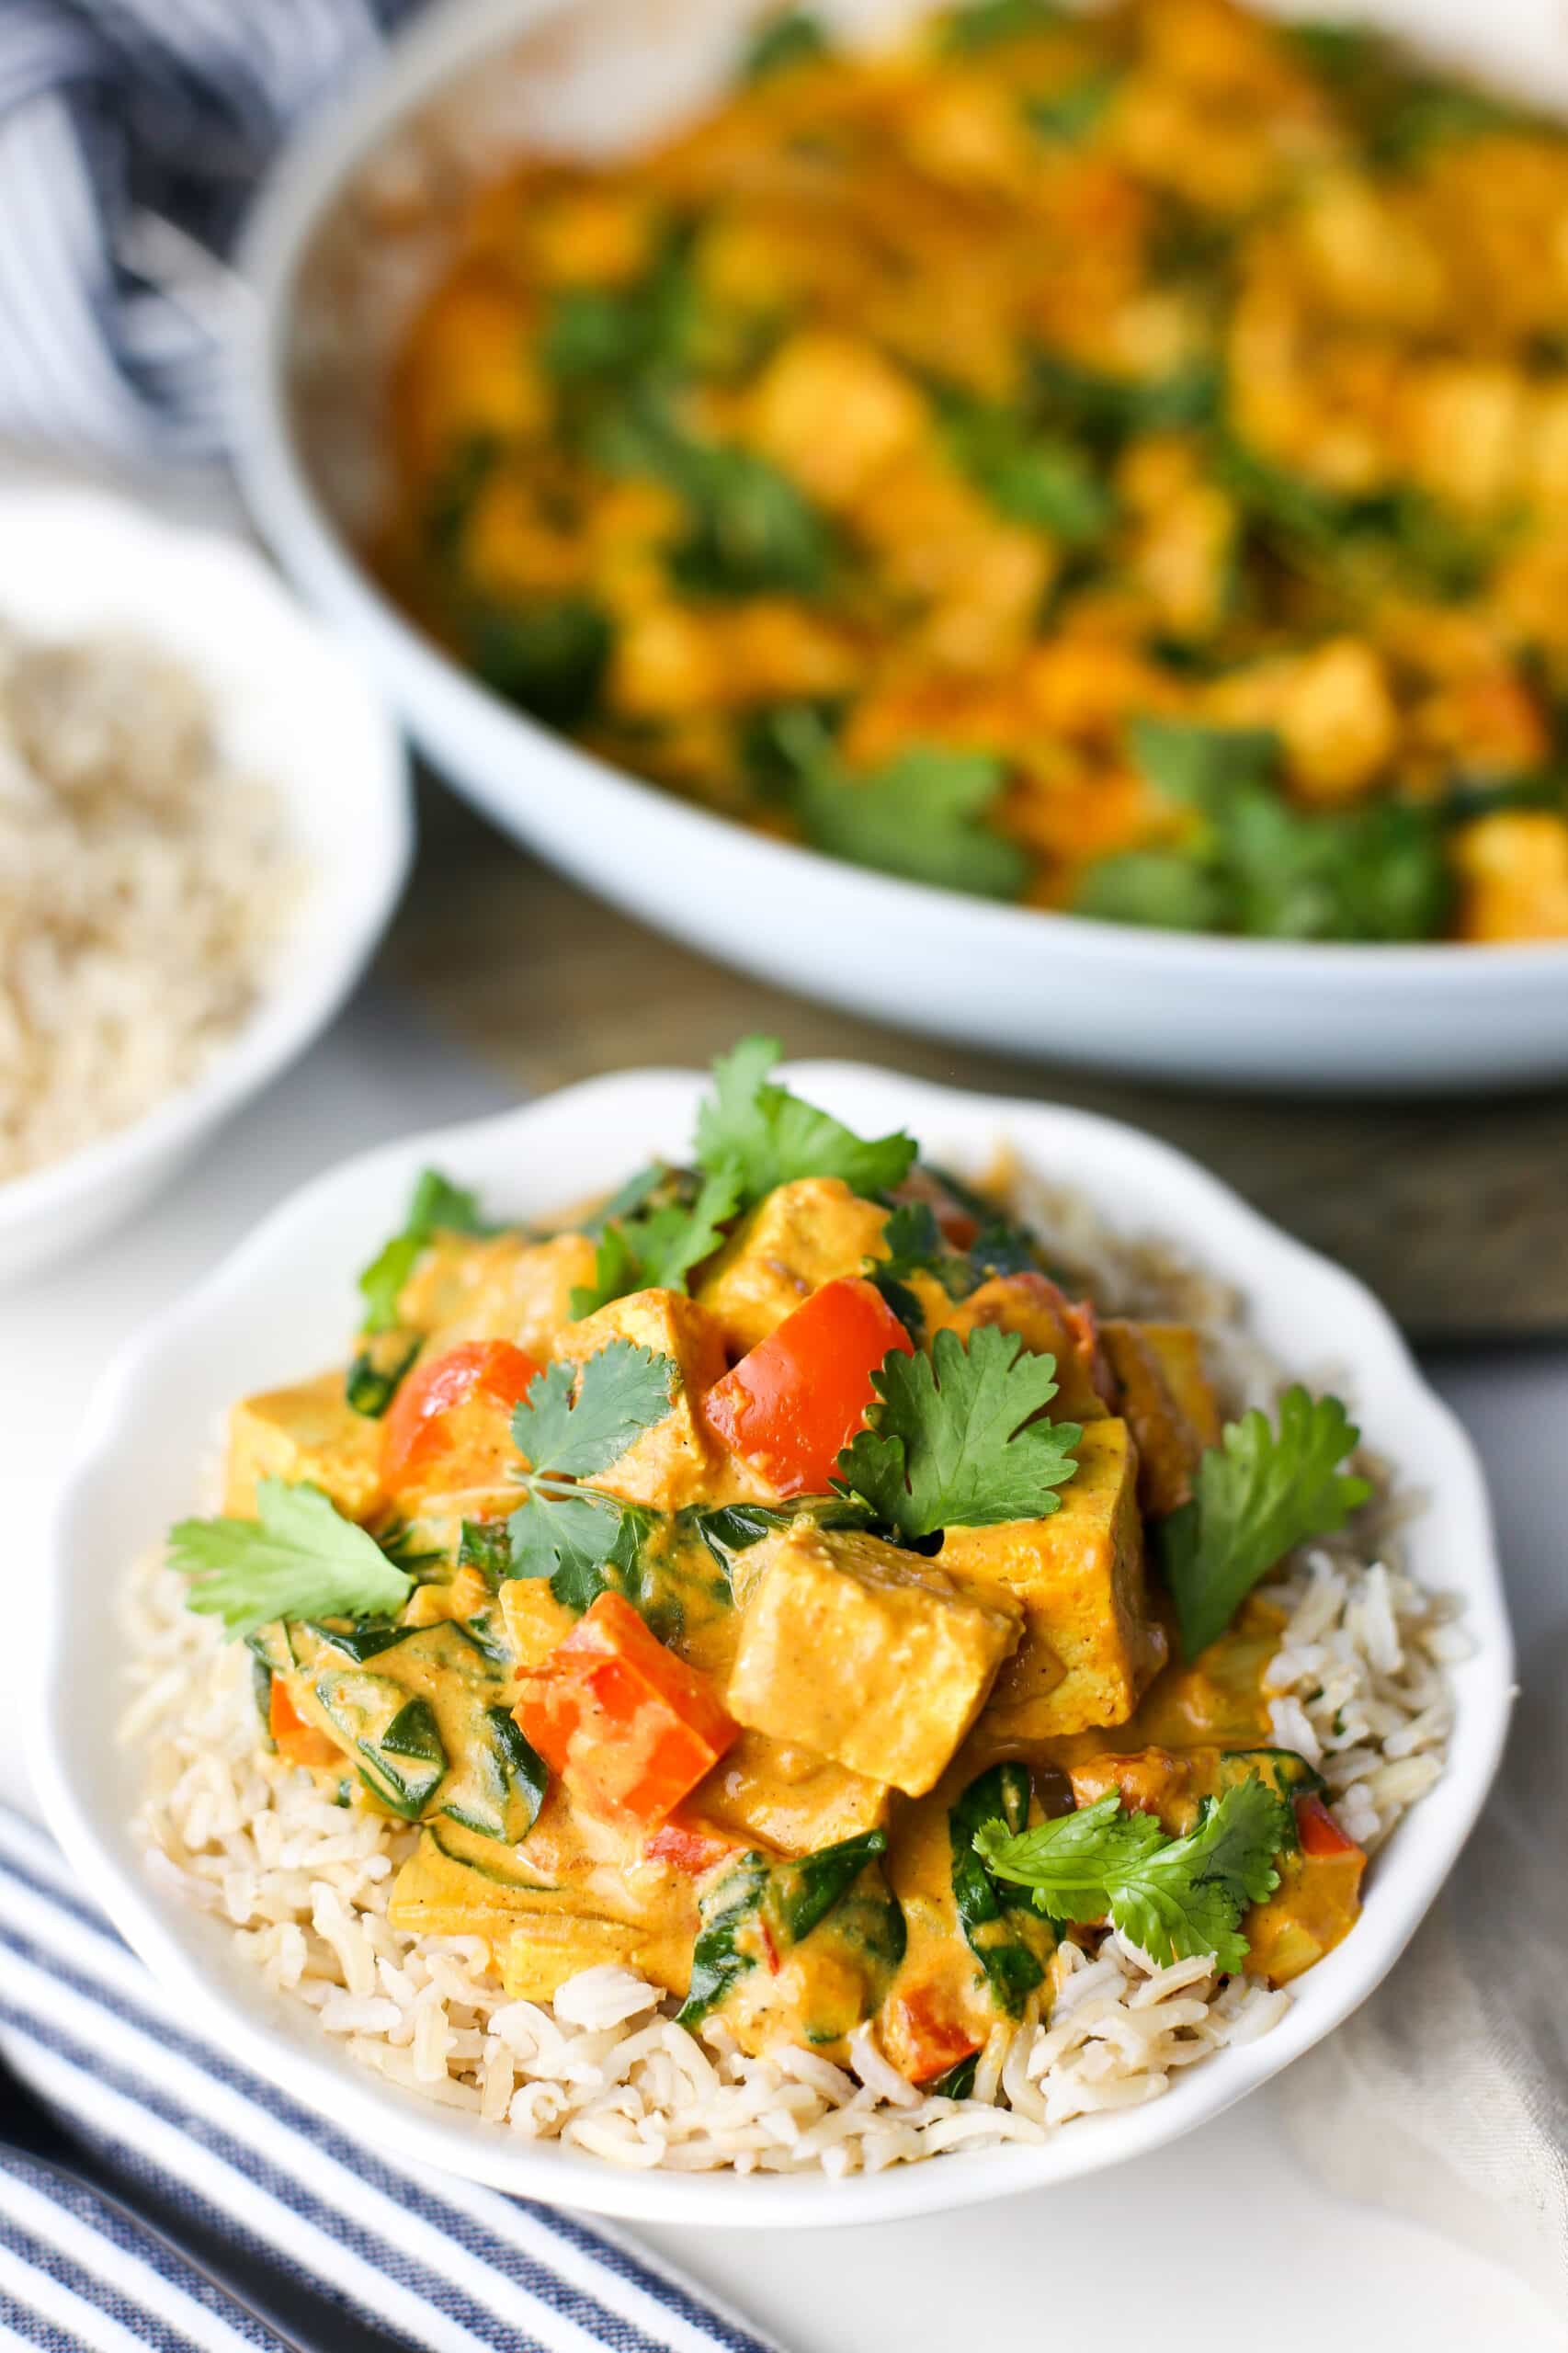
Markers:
point(446, 2266)
point(131, 134)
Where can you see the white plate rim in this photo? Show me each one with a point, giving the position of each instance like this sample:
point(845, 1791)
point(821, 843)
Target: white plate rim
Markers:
point(1409, 1873)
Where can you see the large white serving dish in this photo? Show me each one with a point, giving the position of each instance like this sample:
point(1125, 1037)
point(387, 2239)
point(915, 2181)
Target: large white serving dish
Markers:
point(284, 1300)
point(290, 709)
point(350, 229)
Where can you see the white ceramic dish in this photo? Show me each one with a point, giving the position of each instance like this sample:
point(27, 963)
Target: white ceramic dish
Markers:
point(290, 709)
point(282, 1301)
point(356, 222)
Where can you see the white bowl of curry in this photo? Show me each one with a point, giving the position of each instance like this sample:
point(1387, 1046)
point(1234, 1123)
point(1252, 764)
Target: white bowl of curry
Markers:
point(1079, 493)
point(806, 1627)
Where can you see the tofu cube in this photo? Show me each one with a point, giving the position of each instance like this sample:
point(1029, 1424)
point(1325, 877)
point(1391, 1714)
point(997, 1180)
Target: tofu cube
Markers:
point(777, 1794)
point(1168, 1402)
point(1046, 1322)
point(678, 1461)
point(306, 1435)
point(864, 1654)
point(803, 1234)
point(495, 1287)
point(1090, 1646)
point(832, 411)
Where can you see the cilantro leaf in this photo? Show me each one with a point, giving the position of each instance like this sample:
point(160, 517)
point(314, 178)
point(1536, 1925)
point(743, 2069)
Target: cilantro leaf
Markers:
point(984, 23)
point(299, 1558)
point(1171, 889)
point(770, 1137)
point(791, 37)
point(1202, 765)
point(952, 1440)
point(922, 816)
point(1172, 1897)
point(1256, 1496)
point(657, 1245)
point(1260, 866)
point(585, 1542)
point(1033, 477)
point(438, 1206)
point(620, 1393)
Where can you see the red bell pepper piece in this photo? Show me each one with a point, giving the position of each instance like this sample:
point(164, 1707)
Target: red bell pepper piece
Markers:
point(299, 1742)
point(620, 1718)
point(794, 1403)
point(412, 1429)
point(1319, 1833)
point(688, 1845)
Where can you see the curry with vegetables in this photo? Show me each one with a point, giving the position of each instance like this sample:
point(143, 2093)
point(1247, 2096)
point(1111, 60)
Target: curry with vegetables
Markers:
point(777, 1584)
point(1116, 462)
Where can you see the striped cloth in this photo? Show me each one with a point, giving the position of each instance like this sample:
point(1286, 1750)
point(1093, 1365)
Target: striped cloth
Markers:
point(443, 2265)
point(131, 134)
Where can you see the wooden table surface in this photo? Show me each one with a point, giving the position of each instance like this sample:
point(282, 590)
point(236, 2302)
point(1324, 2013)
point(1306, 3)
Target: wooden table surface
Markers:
point(1455, 1212)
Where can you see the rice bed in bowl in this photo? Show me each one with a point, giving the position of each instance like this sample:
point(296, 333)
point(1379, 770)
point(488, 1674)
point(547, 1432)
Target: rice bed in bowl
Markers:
point(1358, 1686)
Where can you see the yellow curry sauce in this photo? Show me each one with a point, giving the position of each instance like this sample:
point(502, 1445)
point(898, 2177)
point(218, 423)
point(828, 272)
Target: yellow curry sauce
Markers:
point(1118, 462)
point(778, 1826)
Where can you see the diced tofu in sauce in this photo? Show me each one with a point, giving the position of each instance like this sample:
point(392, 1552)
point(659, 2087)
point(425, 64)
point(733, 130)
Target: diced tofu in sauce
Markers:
point(495, 1287)
point(678, 1461)
point(1169, 1404)
point(803, 1234)
point(872, 1684)
point(876, 1660)
point(306, 1436)
point(1090, 1645)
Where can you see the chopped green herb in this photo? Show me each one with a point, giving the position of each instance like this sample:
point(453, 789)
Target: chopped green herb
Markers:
point(1030, 476)
point(790, 38)
point(1174, 1898)
point(752, 1124)
point(580, 1537)
point(1256, 1496)
point(297, 1559)
point(548, 656)
point(953, 1439)
point(438, 1206)
point(656, 1244)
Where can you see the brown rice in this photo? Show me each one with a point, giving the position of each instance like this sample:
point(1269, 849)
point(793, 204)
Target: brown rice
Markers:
point(140, 883)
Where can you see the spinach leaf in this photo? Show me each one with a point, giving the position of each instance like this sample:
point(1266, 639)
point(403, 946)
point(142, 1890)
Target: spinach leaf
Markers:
point(1005, 1938)
point(549, 655)
point(729, 1940)
point(806, 1891)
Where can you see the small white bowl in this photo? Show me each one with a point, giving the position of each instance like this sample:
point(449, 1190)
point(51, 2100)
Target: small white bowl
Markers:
point(359, 217)
point(284, 1301)
point(290, 709)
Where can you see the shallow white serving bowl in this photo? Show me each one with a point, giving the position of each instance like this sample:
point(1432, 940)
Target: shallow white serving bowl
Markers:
point(289, 708)
point(284, 1301)
point(349, 231)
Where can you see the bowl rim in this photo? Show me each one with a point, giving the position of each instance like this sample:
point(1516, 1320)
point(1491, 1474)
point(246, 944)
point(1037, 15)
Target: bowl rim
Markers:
point(169, 1935)
point(293, 199)
point(288, 1013)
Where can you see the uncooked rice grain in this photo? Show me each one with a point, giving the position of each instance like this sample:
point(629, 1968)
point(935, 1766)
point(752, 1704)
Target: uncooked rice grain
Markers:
point(1359, 1678)
point(142, 882)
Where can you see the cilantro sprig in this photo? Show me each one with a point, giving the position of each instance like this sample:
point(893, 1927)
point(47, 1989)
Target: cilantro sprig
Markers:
point(924, 815)
point(954, 1439)
point(656, 1243)
point(438, 1206)
point(1256, 1496)
point(1172, 1897)
point(767, 1136)
point(575, 1422)
point(300, 1558)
